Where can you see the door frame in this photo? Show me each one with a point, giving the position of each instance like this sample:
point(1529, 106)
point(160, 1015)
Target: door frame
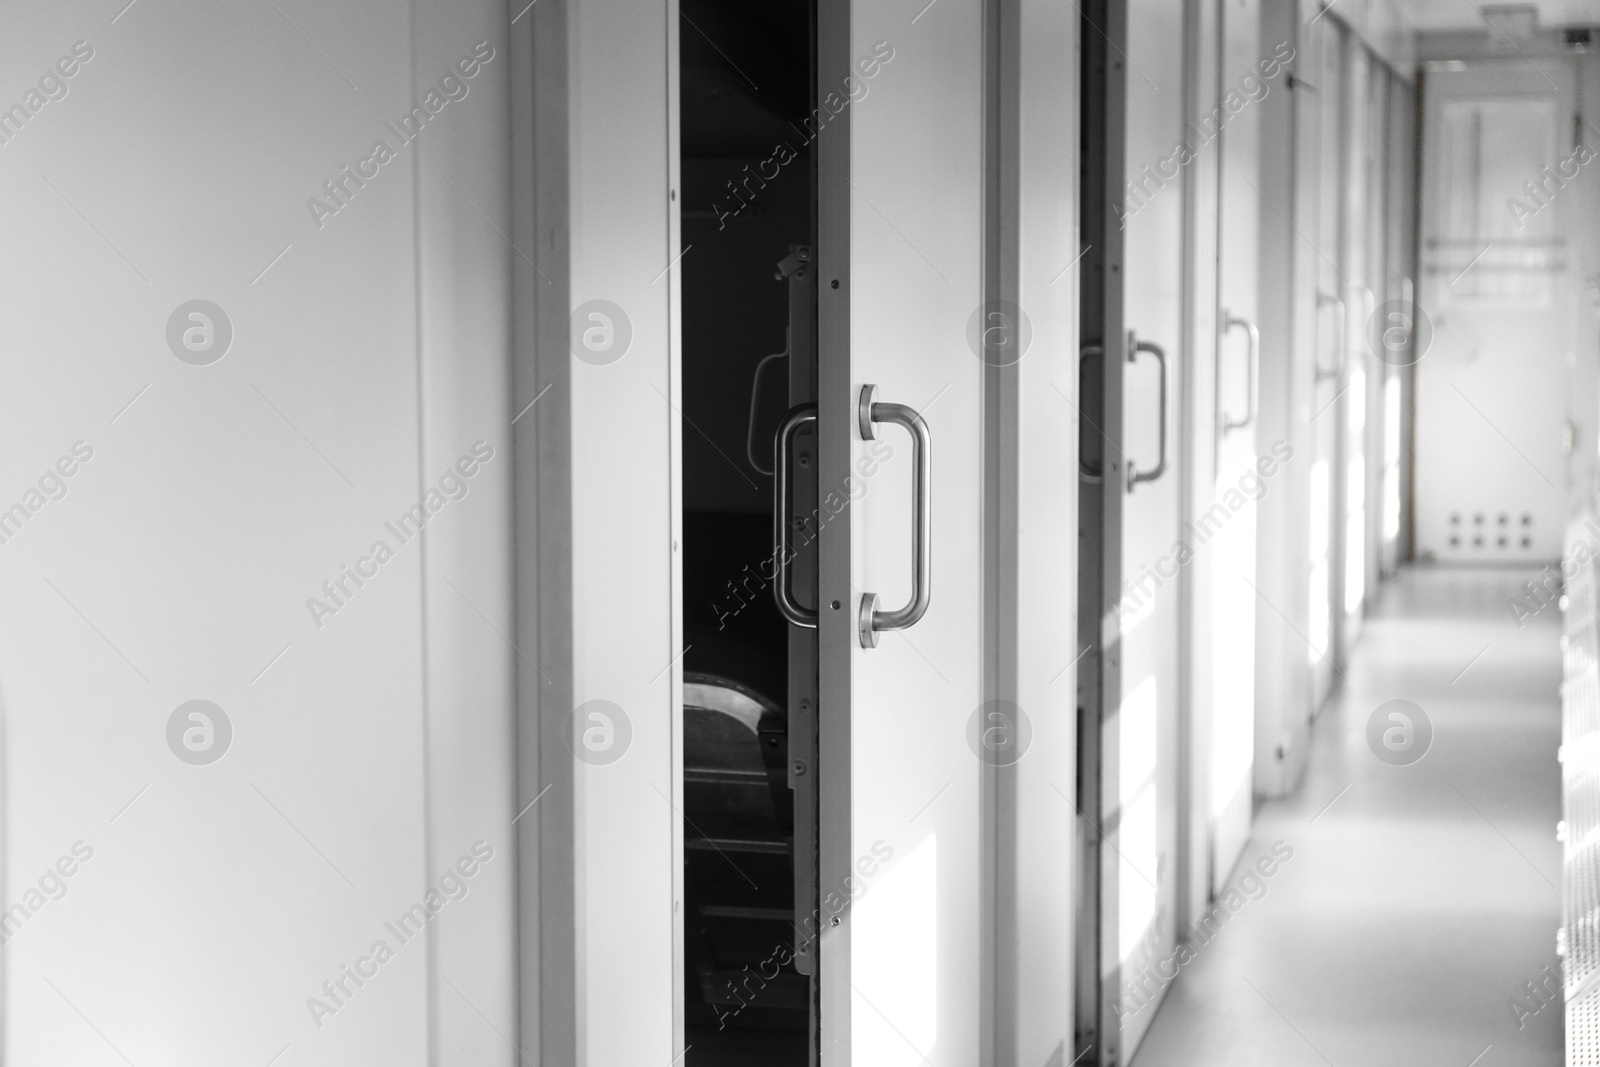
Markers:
point(599, 847)
point(589, 215)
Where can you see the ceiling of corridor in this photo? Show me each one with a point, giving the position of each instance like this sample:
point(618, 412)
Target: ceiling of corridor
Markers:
point(1432, 16)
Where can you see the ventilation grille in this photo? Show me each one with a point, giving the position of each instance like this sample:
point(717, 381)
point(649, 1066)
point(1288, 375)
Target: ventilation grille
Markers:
point(1491, 534)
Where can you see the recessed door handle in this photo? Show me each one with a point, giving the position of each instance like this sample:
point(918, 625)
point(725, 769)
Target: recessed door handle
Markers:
point(870, 622)
point(787, 605)
point(1253, 358)
point(1135, 346)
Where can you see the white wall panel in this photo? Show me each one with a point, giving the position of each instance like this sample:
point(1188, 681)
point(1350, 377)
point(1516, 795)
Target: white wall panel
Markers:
point(464, 331)
point(219, 498)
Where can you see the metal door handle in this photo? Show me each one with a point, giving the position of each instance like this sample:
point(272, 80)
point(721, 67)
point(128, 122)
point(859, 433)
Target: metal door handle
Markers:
point(1086, 472)
point(1323, 373)
point(870, 622)
point(1371, 302)
point(1254, 357)
point(797, 417)
point(1135, 346)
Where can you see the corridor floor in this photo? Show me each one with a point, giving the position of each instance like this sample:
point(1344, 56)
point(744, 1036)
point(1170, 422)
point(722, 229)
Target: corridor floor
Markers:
point(1420, 898)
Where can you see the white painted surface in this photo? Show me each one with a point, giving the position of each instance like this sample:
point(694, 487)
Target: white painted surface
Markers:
point(1286, 304)
point(916, 262)
point(1141, 739)
point(1046, 623)
point(216, 504)
point(1361, 366)
point(1492, 388)
point(626, 487)
point(1329, 300)
point(1232, 550)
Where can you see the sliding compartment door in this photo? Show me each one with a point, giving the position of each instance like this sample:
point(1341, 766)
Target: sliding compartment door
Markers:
point(1356, 203)
point(1232, 544)
point(1399, 213)
point(1136, 807)
point(902, 736)
point(1321, 182)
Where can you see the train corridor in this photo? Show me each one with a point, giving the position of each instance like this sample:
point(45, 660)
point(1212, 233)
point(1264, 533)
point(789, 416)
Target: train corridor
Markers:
point(1419, 898)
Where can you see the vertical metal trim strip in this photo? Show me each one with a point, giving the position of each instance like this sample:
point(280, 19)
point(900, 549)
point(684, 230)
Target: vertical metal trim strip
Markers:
point(1100, 517)
point(547, 1013)
point(674, 472)
point(836, 634)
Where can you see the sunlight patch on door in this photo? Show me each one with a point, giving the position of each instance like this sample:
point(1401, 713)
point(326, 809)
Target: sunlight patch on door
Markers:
point(1318, 622)
point(895, 960)
point(1139, 863)
point(1391, 458)
point(1233, 628)
point(1355, 534)
point(1136, 724)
